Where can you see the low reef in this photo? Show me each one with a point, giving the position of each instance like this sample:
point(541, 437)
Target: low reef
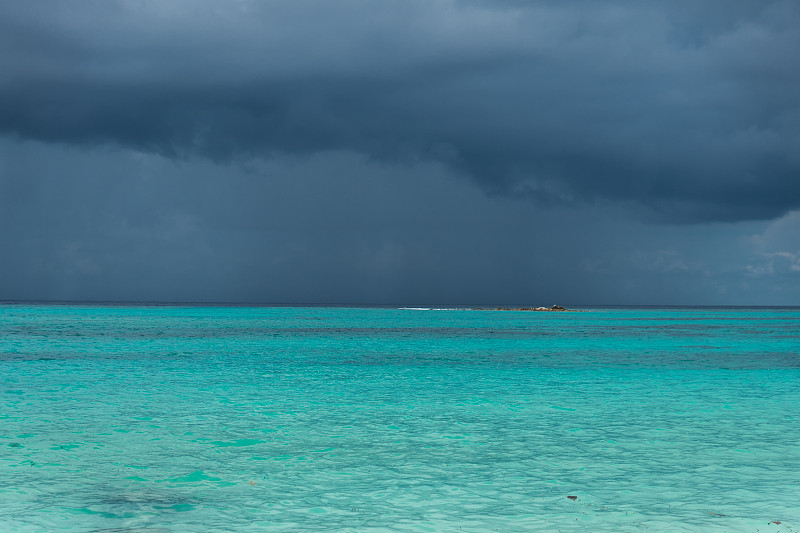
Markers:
point(553, 308)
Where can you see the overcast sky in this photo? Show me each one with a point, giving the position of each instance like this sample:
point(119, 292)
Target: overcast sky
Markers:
point(446, 152)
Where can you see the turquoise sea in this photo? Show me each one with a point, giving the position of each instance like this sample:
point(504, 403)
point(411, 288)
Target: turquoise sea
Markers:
point(179, 418)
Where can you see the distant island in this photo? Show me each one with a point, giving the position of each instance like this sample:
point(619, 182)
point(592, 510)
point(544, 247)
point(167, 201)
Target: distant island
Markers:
point(554, 308)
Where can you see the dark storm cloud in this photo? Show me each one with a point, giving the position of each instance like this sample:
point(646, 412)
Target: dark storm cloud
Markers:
point(692, 111)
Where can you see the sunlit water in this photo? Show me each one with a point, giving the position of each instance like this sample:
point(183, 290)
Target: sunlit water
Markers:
point(332, 419)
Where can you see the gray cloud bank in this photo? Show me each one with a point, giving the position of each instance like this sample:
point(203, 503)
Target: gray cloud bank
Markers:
point(689, 110)
point(337, 227)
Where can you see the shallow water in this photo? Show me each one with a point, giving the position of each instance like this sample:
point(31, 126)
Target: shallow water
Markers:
point(335, 419)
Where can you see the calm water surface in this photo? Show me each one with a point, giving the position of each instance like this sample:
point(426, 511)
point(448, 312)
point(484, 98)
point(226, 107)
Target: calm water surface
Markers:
point(333, 419)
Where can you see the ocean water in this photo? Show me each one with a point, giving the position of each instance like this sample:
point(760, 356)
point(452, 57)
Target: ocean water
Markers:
point(158, 419)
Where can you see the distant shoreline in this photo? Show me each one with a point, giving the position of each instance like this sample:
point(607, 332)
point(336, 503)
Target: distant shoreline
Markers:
point(555, 308)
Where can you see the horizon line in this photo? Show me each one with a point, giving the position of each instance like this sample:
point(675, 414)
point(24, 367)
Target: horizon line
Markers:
point(365, 305)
